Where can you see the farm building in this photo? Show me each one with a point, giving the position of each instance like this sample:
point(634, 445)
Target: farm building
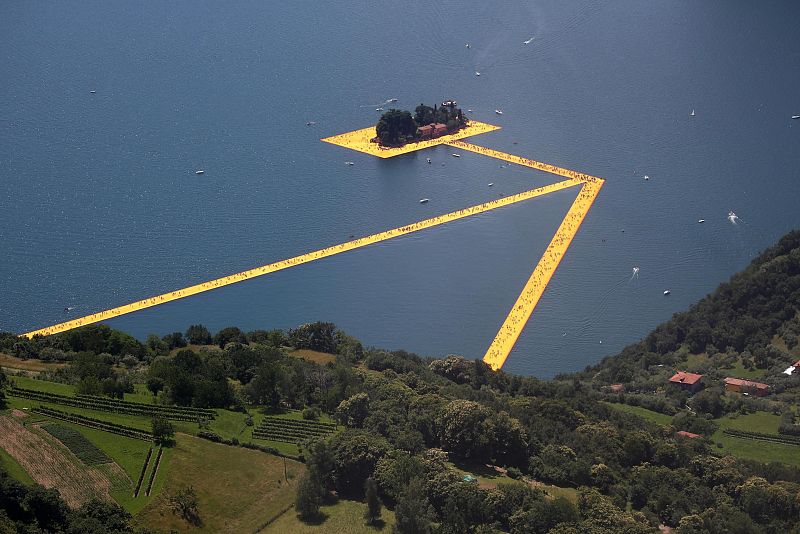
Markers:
point(737, 385)
point(687, 381)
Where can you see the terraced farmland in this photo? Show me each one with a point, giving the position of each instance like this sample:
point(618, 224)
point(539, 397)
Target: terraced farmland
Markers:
point(292, 430)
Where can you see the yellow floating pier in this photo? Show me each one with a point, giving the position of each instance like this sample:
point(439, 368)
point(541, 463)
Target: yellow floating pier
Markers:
point(299, 260)
point(360, 140)
point(518, 317)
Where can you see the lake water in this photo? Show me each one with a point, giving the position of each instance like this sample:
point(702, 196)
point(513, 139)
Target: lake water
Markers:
point(99, 203)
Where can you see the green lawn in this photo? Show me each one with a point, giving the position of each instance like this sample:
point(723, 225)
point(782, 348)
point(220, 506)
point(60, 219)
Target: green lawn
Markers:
point(42, 385)
point(762, 451)
point(653, 417)
point(344, 517)
point(738, 371)
point(10, 466)
point(238, 490)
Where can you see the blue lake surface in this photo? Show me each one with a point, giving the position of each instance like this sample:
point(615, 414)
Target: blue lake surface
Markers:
point(100, 206)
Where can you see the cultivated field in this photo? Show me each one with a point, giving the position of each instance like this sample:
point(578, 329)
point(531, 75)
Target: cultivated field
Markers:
point(51, 464)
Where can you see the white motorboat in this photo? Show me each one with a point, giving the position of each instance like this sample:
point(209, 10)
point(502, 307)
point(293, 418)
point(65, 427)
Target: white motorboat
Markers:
point(199, 172)
point(701, 221)
point(666, 292)
point(795, 117)
point(424, 201)
point(456, 155)
point(691, 114)
point(498, 112)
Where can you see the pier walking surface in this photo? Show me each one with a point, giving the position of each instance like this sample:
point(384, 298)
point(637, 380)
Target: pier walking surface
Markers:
point(514, 323)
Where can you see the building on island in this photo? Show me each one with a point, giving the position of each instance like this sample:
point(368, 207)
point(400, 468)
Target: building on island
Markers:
point(687, 381)
point(431, 131)
point(690, 435)
point(737, 385)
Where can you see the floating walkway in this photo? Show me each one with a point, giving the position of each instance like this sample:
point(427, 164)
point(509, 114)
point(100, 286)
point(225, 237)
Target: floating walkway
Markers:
point(518, 317)
point(359, 140)
point(298, 260)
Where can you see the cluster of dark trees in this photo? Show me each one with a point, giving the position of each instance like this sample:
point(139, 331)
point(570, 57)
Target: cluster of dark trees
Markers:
point(397, 127)
point(34, 509)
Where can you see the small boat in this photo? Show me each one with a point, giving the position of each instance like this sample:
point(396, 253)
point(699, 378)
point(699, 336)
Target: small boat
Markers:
point(795, 117)
point(349, 163)
point(456, 155)
point(310, 123)
point(469, 111)
point(666, 292)
point(491, 184)
point(429, 160)
point(199, 172)
point(646, 177)
point(92, 91)
point(378, 109)
point(392, 100)
point(477, 73)
point(691, 114)
point(424, 201)
point(467, 45)
point(701, 221)
point(528, 41)
point(498, 112)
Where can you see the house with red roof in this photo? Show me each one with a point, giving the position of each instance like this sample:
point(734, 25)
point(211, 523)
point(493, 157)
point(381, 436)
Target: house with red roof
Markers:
point(690, 435)
point(690, 382)
point(737, 385)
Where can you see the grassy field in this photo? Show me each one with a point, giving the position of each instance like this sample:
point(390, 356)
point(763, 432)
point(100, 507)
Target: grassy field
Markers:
point(13, 468)
point(36, 366)
point(238, 490)
point(755, 450)
point(321, 358)
point(344, 517)
point(489, 478)
point(654, 417)
point(739, 371)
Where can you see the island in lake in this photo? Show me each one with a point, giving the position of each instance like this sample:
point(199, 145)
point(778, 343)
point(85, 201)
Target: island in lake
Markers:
point(398, 127)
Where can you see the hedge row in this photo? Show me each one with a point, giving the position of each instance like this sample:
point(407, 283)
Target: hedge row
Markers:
point(98, 424)
point(144, 470)
point(146, 410)
point(154, 471)
point(216, 438)
point(774, 438)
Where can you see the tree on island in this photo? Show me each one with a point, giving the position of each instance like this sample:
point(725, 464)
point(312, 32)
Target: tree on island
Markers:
point(396, 127)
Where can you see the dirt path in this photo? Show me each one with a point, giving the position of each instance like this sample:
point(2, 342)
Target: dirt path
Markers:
point(51, 465)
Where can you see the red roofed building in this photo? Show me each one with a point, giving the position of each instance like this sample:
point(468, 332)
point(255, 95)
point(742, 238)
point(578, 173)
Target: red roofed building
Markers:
point(796, 364)
point(425, 132)
point(439, 129)
point(738, 385)
point(686, 434)
point(687, 381)
point(617, 388)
